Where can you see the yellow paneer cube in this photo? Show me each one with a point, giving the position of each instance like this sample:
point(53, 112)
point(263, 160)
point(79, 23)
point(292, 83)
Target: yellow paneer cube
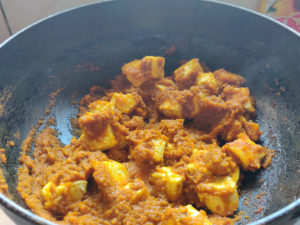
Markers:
point(78, 189)
point(47, 191)
point(126, 103)
point(69, 191)
point(197, 168)
point(104, 141)
point(161, 87)
point(192, 212)
point(171, 109)
point(112, 171)
point(97, 132)
point(187, 215)
point(96, 119)
point(247, 154)
point(207, 81)
point(249, 106)
point(159, 149)
point(172, 182)
point(147, 146)
point(196, 104)
point(186, 74)
point(102, 106)
point(136, 195)
point(164, 84)
point(148, 68)
point(220, 196)
point(236, 175)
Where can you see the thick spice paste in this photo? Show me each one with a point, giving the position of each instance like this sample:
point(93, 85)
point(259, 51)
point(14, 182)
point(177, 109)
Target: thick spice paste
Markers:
point(153, 149)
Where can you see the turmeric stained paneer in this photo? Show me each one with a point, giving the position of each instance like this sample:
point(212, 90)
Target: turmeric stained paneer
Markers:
point(149, 151)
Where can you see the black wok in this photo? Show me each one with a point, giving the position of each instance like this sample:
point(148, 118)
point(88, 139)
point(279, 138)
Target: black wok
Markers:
point(111, 33)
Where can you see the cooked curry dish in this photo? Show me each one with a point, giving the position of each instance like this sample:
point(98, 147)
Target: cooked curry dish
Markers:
point(153, 149)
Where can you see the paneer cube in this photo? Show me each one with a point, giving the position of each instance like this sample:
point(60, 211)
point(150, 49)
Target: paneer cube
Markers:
point(104, 141)
point(110, 173)
point(69, 192)
point(96, 119)
point(78, 189)
point(136, 194)
point(186, 74)
point(171, 181)
point(239, 98)
point(219, 196)
point(126, 103)
point(246, 153)
point(164, 84)
point(192, 212)
point(208, 82)
point(159, 149)
point(140, 71)
point(161, 87)
point(171, 109)
point(184, 215)
point(236, 175)
point(252, 129)
point(102, 106)
point(147, 146)
point(98, 134)
point(225, 77)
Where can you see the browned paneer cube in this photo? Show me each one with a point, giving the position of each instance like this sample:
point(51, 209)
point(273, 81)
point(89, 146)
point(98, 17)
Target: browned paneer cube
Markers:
point(208, 82)
point(98, 133)
point(231, 130)
point(209, 111)
point(219, 195)
point(110, 173)
point(239, 98)
point(186, 74)
point(59, 197)
point(126, 103)
point(136, 191)
point(170, 181)
point(148, 68)
point(252, 129)
point(225, 77)
point(239, 124)
point(165, 84)
point(147, 145)
point(246, 153)
point(101, 131)
point(171, 109)
point(186, 215)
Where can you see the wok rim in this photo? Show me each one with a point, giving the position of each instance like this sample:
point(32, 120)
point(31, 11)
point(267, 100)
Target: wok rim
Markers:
point(18, 210)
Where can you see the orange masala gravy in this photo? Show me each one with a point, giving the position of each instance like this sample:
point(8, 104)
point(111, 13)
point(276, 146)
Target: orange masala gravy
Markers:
point(149, 151)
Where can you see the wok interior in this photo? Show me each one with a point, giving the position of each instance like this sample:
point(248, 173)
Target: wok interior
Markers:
point(61, 53)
